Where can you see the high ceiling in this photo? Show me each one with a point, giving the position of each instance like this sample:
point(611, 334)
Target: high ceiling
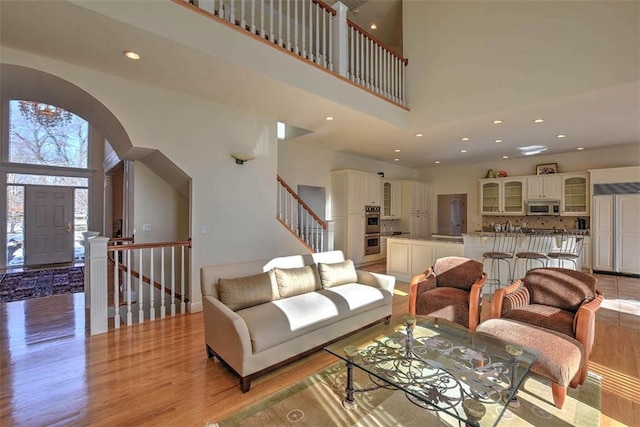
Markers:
point(469, 64)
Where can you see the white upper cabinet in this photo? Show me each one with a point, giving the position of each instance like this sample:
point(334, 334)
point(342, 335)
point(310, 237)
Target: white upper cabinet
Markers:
point(416, 197)
point(544, 187)
point(575, 194)
point(502, 196)
point(391, 199)
point(371, 189)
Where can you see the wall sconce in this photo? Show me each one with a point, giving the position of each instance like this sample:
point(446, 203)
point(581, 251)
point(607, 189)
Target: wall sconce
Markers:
point(242, 157)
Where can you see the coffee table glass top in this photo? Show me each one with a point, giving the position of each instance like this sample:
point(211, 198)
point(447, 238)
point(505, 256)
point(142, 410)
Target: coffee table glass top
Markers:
point(441, 366)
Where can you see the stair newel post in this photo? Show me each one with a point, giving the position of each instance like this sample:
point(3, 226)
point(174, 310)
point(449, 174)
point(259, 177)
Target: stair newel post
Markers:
point(173, 281)
point(140, 289)
point(183, 304)
point(129, 314)
point(163, 308)
point(87, 267)
point(152, 301)
point(116, 289)
point(98, 282)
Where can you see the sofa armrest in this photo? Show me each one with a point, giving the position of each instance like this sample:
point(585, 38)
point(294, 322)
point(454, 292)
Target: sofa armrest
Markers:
point(382, 281)
point(517, 297)
point(419, 284)
point(226, 333)
point(475, 301)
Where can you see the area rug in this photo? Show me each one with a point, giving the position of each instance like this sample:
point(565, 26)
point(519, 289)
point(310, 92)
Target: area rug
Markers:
point(41, 283)
point(316, 401)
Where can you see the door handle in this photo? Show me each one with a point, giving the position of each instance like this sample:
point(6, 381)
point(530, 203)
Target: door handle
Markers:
point(68, 227)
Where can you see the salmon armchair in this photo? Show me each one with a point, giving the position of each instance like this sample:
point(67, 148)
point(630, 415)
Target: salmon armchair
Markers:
point(557, 299)
point(451, 290)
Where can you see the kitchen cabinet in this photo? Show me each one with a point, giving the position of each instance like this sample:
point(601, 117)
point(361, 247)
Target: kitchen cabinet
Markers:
point(409, 257)
point(419, 225)
point(502, 196)
point(355, 238)
point(416, 208)
point(544, 187)
point(371, 190)
point(391, 199)
point(575, 194)
point(585, 256)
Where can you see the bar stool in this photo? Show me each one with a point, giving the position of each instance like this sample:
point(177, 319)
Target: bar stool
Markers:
point(538, 245)
point(504, 246)
point(568, 247)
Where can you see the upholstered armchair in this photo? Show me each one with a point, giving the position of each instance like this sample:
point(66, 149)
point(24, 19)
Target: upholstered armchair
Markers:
point(558, 299)
point(451, 289)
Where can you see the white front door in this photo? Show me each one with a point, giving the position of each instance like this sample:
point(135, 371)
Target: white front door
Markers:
point(48, 224)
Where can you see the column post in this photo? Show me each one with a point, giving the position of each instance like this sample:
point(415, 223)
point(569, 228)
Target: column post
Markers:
point(340, 40)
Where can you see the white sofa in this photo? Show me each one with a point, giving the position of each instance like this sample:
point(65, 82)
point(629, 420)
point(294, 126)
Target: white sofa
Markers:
point(262, 325)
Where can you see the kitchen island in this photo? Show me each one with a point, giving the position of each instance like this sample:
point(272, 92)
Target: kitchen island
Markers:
point(407, 257)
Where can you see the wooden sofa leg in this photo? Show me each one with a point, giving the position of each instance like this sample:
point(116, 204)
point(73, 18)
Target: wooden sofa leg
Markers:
point(245, 384)
point(559, 393)
point(387, 321)
point(210, 353)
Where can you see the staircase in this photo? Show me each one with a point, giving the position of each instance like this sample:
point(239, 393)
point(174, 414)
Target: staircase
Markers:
point(300, 219)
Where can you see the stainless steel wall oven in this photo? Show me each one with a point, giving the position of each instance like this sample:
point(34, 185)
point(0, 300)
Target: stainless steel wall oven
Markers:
point(371, 230)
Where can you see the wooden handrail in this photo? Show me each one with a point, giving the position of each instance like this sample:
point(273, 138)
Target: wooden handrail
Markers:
point(325, 7)
point(120, 239)
point(146, 279)
point(304, 205)
point(181, 243)
point(382, 45)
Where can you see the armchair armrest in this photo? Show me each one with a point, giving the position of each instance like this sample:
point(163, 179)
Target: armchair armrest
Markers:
point(584, 322)
point(419, 284)
point(475, 301)
point(517, 297)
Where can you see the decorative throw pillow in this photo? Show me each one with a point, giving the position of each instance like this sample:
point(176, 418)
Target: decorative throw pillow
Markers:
point(296, 281)
point(244, 292)
point(339, 273)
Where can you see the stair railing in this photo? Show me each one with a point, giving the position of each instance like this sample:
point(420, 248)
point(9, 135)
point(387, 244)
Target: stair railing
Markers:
point(318, 33)
point(300, 219)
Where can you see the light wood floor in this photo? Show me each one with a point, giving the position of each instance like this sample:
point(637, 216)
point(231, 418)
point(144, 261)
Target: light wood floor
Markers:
point(157, 373)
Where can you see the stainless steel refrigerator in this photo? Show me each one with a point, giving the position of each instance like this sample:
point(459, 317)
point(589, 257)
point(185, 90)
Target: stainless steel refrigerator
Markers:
point(615, 227)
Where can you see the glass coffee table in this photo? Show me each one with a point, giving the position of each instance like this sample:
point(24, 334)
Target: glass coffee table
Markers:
point(439, 365)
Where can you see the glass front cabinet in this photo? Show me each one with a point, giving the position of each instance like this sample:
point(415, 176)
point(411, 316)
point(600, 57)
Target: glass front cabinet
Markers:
point(502, 196)
point(575, 194)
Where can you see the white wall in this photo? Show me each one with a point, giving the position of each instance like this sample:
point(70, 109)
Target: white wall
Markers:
point(464, 178)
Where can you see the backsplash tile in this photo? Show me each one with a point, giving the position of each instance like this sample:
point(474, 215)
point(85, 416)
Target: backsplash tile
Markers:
point(560, 222)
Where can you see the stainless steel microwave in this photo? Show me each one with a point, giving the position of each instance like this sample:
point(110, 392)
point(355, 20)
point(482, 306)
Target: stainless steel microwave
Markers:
point(543, 207)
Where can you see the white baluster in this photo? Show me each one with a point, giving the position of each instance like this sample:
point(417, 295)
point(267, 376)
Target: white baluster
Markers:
point(163, 308)
point(403, 84)
point(311, 57)
point(253, 17)
point(129, 314)
point(280, 39)
point(116, 290)
point(243, 23)
point(183, 304)
point(173, 281)
point(317, 50)
point(303, 30)
point(351, 54)
point(330, 43)
point(288, 25)
point(325, 62)
point(232, 14)
point(152, 287)
point(271, 35)
point(140, 291)
point(262, 31)
point(221, 9)
point(296, 48)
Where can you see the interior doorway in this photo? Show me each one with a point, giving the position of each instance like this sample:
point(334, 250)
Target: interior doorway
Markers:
point(49, 225)
point(452, 214)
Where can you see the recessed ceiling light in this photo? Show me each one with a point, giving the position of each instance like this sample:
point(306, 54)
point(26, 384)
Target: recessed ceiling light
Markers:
point(419, 135)
point(497, 140)
point(580, 148)
point(131, 55)
point(497, 122)
point(530, 150)
point(396, 160)
point(396, 150)
point(374, 26)
point(562, 135)
point(463, 151)
point(437, 162)
point(505, 157)
point(465, 139)
point(538, 121)
point(328, 118)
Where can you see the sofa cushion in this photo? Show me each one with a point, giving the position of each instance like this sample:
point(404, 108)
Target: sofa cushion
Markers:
point(296, 281)
point(339, 273)
point(279, 321)
point(243, 292)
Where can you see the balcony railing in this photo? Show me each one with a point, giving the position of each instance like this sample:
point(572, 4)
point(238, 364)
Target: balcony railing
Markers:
point(317, 33)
